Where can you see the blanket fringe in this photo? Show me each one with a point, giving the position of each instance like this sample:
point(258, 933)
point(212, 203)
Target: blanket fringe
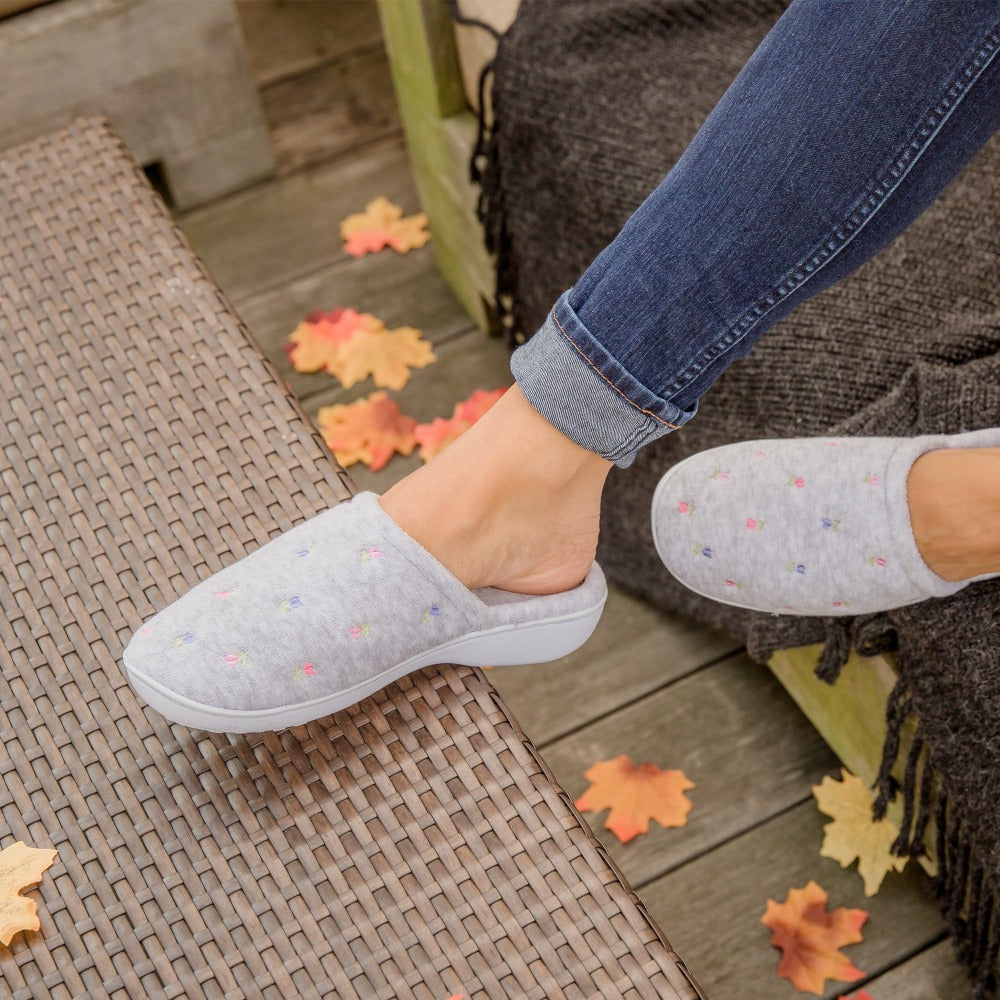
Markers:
point(961, 886)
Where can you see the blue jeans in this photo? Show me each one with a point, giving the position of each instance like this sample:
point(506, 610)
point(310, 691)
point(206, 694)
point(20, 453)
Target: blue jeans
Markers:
point(844, 125)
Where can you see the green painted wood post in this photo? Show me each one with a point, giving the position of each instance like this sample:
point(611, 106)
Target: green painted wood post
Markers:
point(849, 715)
point(440, 133)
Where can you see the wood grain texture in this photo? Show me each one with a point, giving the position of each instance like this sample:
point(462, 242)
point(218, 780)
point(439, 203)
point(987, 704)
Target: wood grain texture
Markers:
point(331, 110)
point(711, 909)
point(933, 974)
point(285, 39)
point(275, 233)
point(732, 730)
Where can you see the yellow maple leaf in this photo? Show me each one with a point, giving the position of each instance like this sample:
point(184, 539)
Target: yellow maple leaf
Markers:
point(381, 225)
point(318, 341)
point(386, 355)
point(854, 835)
point(20, 866)
point(635, 794)
point(370, 430)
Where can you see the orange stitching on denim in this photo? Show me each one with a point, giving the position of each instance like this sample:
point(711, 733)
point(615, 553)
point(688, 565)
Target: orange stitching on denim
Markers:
point(675, 427)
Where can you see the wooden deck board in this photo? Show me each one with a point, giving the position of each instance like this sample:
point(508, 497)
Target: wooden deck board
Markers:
point(647, 684)
point(736, 735)
point(711, 909)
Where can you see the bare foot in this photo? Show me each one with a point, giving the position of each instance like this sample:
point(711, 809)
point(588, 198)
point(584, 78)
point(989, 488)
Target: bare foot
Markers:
point(954, 498)
point(513, 503)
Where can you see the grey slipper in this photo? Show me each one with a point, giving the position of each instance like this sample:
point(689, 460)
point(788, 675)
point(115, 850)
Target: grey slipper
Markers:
point(805, 526)
point(330, 612)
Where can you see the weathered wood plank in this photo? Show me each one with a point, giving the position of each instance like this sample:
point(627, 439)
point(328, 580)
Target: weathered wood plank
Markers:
point(284, 39)
point(711, 909)
point(635, 650)
point(401, 290)
point(277, 232)
point(331, 110)
point(933, 974)
point(732, 730)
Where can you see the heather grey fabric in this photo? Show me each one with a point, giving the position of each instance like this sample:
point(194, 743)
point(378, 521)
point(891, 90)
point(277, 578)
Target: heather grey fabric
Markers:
point(594, 101)
point(805, 526)
point(323, 607)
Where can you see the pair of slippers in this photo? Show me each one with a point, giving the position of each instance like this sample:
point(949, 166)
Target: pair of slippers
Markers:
point(347, 602)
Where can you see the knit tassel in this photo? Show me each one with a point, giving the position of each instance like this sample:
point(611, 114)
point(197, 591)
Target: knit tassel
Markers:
point(868, 634)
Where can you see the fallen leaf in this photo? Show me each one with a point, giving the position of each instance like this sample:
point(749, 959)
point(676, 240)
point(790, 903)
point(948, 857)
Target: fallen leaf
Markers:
point(863, 995)
point(370, 431)
point(20, 866)
point(810, 938)
point(434, 437)
point(635, 793)
point(382, 225)
point(853, 834)
point(386, 355)
point(317, 341)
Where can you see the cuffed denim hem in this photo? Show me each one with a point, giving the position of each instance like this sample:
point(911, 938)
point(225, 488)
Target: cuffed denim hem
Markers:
point(572, 381)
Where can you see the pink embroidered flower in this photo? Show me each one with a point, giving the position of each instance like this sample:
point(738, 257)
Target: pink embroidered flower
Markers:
point(734, 584)
point(761, 454)
point(148, 629)
point(306, 670)
point(797, 481)
point(720, 475)
point(871, 479)
point(360, 631)
point(841, 604)
point(754, 525)
point(685, 508)
point(878, 561)
point(236, 659)
point(227, 591)
point(370, 553)
point(832, 444)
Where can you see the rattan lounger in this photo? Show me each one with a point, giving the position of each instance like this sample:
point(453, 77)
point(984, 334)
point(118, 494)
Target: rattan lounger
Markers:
point(414, 846)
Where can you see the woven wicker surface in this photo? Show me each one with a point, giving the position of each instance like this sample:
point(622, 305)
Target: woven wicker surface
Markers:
point(412, 846)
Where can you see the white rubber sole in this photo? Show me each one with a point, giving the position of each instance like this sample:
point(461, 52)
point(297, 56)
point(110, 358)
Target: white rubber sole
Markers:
point(507, 645)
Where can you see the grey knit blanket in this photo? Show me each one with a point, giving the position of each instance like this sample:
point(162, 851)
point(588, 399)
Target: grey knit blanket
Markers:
point(594, 100)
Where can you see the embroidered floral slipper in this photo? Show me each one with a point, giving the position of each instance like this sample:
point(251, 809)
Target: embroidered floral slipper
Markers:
point(804, 526)
point(329, 612)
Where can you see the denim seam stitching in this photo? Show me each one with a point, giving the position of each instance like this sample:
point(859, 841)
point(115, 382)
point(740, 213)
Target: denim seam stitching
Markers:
point(856, 219)
point(606, 379)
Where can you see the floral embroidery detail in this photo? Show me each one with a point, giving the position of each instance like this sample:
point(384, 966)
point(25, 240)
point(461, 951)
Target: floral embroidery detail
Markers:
point(302, 551)
point(796, 568)
point(685, 508)
point(830, 523)
point(360, 631)
point(432, 612)
point(832, 444)
point(306, 670)
point(761, 454)
point(184, 639)
point(754, 525)
point(797, 481)
point(227, 591)
point(149, 628)
point(734, 584)
point(289, 604)
point(720, 476)
point(370, 553)
point(702, 550)
point(841, 604)
point(871, 479)
point(878, 561)
point(236, 659)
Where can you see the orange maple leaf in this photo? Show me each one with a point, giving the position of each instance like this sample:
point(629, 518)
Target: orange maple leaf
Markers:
point(370, 431)
point(635, 793)
point(317, 341)
point(810, 938)
point(434, 437)
point(381, 225)
point(386, 355)
point(863, 995)
point(20, 866)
